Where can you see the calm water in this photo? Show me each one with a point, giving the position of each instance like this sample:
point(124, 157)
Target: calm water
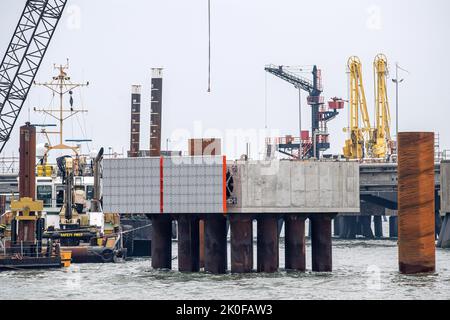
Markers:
point(362, 270)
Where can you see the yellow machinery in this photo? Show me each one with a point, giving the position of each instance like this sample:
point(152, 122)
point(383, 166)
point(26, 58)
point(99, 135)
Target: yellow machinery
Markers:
point(28, 222)
point(25, 247)
point(44, 171)
point(366, 141)
point(360, 140)
point(382, 134)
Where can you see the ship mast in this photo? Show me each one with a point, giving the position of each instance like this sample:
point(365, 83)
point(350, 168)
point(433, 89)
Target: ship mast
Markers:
point(60, 86)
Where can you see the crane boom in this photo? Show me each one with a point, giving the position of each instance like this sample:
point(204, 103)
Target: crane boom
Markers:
point(360, 137)
point(23, 58)
point(295, 80)
point(382, 134)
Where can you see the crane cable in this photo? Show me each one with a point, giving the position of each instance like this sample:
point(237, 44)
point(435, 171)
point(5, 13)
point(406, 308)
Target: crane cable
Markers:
point(209, 45)
point(265, 104)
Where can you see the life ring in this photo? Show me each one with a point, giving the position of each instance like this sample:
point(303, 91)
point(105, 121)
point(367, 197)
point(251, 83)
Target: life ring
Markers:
point(107, 256)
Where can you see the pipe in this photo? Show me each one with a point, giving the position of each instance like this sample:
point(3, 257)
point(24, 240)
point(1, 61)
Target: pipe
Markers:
point(215, 244)
point(295, 250)
point(27, 171)
point(321, 243)
point(161, 242)
point(188, 244)
point(416, 202)
point(241, 243)
point(267, 244)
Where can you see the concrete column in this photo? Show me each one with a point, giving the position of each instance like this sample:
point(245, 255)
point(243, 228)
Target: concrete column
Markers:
point(393, 227)
point(378, 226)
point(241, 243)
point(438, 223)
point(348, 227)
point(161, 241)
point(444, 236)
point(295, 250)
point(342, 227)
point(216, 244)
point(366, 226)
point(336, 227)
point(267, 246)
point(321, 244)
point(188, 244)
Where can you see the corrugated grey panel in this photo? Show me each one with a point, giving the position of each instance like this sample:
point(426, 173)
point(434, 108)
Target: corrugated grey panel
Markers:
point(193, 185)
point(131, 185)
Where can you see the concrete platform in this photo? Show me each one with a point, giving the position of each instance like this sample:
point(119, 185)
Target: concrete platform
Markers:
point(209, 185)
point(294, 187)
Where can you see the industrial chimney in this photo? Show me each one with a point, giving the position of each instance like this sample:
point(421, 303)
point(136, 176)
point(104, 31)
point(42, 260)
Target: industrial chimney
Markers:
point(156, 113)
point(135, 121)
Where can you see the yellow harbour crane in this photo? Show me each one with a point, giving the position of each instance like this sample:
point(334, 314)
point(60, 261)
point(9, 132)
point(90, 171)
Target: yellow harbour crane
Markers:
point(382, 133)
point(360, 140)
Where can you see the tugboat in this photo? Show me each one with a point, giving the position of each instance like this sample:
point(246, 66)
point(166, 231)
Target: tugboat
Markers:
point(71, 190)
point(69, 187)
point(81, 231)
point(25, 248)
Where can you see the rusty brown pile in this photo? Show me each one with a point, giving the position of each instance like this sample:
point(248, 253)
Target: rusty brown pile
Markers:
point(27, 170)
point(416, 201)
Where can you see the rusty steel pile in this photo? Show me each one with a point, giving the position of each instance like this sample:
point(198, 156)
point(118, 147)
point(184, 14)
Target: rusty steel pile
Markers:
point(416, 200)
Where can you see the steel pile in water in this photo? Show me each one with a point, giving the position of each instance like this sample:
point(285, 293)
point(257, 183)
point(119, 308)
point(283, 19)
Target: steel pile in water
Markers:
point(416, 196)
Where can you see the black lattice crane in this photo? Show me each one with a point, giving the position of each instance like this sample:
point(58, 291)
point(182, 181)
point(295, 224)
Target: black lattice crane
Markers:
point(320, 114)
point(23, 58)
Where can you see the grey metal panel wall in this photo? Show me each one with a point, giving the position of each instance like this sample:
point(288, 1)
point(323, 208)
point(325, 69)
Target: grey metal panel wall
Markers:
point(295, 187)
point(131, 185)
point(193, 185)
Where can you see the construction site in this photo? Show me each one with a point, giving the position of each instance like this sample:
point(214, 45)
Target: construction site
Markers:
point(201, 203)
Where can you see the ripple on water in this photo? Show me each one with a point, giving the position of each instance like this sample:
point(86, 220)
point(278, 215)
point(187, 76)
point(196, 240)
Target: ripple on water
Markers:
point(362, 270)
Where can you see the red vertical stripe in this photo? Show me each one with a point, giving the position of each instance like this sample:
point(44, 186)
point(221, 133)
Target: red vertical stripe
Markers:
point(224, 191)
point(161, 184)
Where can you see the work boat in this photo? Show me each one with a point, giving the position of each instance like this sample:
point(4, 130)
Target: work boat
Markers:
point(71, 188)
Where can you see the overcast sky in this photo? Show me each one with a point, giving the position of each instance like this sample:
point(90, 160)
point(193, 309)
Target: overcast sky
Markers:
point(114, 44)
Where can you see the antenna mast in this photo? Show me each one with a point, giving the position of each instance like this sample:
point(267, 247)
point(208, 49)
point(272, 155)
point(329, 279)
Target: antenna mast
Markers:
point(60, 86)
